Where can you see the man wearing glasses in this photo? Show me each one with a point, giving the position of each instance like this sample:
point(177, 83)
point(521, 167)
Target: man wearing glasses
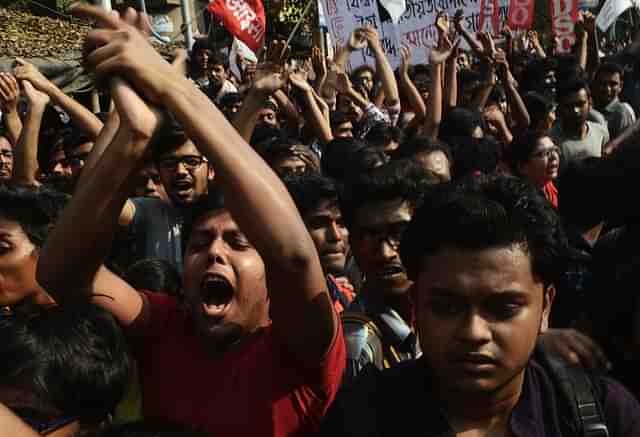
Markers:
point(377, 209)
point(155, 226)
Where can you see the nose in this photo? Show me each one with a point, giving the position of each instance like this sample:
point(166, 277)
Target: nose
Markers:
point(181, 168)
point(387, 251)
point(474, 329)
point(5, 159)
point(58, 169)
point(334, 233)
point(150, 186)
point(217, 252)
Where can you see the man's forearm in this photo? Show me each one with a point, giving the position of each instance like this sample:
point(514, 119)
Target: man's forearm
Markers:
point(246, 119)
point(105, 137)
point(25, 155)
point(385, 72)
point(14, 126)
point(84, 119)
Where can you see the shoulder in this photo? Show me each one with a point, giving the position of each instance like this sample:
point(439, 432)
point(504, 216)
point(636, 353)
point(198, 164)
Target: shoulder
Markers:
point(621, 409)
point(159, 312)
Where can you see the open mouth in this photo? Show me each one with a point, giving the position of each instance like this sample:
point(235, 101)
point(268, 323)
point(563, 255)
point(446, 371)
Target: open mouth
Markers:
point(217, 294)
point(391, 271)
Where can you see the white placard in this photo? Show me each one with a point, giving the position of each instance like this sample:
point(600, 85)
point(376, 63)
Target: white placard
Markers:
point(610, 12)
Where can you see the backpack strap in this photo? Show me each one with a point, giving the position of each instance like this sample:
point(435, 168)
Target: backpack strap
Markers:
point(580, 395)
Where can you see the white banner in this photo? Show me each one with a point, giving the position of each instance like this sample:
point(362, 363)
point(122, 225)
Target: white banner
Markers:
point(415, 29)
point(610, 12)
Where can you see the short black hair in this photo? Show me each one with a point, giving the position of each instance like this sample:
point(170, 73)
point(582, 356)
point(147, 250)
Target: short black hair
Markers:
point(218, 58)
point(422, 144)
point(169, 137)
point(35, 210)
point(382, 134)
point(402, 179)
point(538, 107)
point(460, 122)
point(155, 274)
point(336, 154)
point(486, 212)
point(572, 86)
point(337, 118)
point(356, 72)
point(611, 68)
point(472, 155)
point(68, 361)
point(230, 99)
point(309, 190)
point(582, 201)
point(211, 202)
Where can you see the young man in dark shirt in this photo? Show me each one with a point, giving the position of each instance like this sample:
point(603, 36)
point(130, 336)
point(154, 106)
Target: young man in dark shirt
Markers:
point(484, 257)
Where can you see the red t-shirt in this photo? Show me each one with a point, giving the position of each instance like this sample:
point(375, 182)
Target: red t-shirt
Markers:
point(258, 390)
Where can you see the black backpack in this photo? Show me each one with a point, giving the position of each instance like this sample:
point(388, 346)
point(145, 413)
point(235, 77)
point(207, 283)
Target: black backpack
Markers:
point(581, 395)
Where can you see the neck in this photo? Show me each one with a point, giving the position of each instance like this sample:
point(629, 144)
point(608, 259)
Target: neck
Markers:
point(482, 409)
point(579, 131)
point(398, 300)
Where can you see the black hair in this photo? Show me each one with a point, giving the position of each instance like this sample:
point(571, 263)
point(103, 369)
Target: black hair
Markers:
point(471, 155)
point(149, 428)
point(538, 107)
point(582, 199)
point(486, 212)
point(211, 202)
point(419, 145)
point(337, 118)
point(155, 274)
point(532, 75)
point(35, 210)
point(263, 134)
point(571, 86)
point(460, 122)
point(169, 137)
point(356, 72)
point(382, 134)
point(415, 70)
point(611, 68)
point(336, 155)
point(67, 361)
point(568, 67)
point(218, 58)
point(522, 148)
point(230, 99)
point(309, 190)
point(402, 179)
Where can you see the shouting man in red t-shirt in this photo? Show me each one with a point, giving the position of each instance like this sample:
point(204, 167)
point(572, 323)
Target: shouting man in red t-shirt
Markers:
point(258, 350)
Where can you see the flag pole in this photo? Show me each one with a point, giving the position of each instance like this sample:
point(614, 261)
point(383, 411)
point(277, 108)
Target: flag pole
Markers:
point(297, 26)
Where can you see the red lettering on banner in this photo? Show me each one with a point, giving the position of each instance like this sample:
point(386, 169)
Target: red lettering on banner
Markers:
point(563, 18)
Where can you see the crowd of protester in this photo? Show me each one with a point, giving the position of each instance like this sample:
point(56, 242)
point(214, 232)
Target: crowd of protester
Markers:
point(445, 249)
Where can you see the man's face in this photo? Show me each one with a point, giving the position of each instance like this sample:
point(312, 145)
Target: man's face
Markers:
point(77, 157)
point(375, 238)
point(289, 165)
point(574, 109)
point(18, 259)
point(330, 236)
point(6, 160)
point(148, 184)
point(269, 117)
point(423, 84)
point(346, 105)
point(224, 280)
point(607, 87)
point(479, 313)
point(463, 61)
point(365, 78)
point(184, 174)
point(217, 74)
point(201, 58)
point(59, 166)
point(343, 130)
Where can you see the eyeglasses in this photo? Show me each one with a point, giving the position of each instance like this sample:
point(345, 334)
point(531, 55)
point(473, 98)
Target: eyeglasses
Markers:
point(547, 153)
point(190, 162)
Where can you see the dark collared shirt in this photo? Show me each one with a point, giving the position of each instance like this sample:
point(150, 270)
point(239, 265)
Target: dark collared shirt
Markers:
point(399, 402)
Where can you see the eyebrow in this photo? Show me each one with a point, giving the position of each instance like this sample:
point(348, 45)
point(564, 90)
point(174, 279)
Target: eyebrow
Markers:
point(503, 294)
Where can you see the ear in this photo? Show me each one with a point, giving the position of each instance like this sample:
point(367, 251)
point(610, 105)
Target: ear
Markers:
point(211, 173)
point(549, 296)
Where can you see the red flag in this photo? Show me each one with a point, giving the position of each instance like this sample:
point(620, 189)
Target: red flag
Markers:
point(244, 19)
point(563, 17)
point(521, 14)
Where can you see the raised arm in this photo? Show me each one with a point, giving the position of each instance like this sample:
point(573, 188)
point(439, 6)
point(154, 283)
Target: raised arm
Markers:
point(313, 113)
point(70, 264)
point(410, 91)
point(383, 67)
point(519, 113)
point(84, 119)
point(9, 95)
point(25, 154)
point(437, 58)
point(255, 196)
point(11, 424)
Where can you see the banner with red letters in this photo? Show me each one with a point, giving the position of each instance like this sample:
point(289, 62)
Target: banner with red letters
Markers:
point(521, 14)
point(489, 16)
point(563, 17)
point(244, 19)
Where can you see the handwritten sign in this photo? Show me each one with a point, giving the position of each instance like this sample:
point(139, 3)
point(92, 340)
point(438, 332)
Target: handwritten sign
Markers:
point(415, 29)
